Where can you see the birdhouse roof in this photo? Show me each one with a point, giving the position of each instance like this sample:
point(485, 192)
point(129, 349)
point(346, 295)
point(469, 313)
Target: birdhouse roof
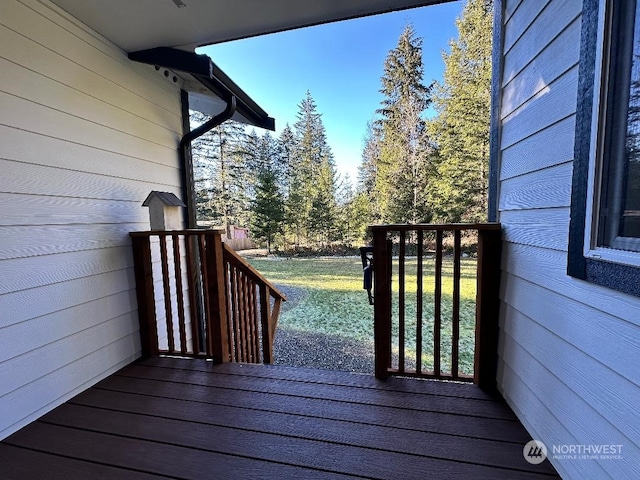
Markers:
point(169, 199)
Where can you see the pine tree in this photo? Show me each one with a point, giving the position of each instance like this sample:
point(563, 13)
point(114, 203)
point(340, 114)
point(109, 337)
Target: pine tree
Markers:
point(268, 208)
point(368, 172)
point(220, 183)
point(404, 152)
point(310, 205)
point(461, 128)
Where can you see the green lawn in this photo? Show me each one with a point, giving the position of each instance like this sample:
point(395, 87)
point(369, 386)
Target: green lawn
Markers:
point(331, 301)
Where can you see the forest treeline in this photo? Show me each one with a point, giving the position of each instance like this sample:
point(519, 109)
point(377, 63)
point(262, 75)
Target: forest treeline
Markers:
point(414, 169)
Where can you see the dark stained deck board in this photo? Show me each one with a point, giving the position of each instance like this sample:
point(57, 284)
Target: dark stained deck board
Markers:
point(392, 439)
point(492, 429)
point(319, 408)
point(176, 418)
point(331, 377)
point(21, 463)
point(414, 401)
point(155, 458)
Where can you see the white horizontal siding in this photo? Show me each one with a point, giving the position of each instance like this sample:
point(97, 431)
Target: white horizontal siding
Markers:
point(548, 24)
point(546, 188)
point(552, 104)
point(85, 135)
point(546, 148)
point(518, 23)
point(551, 64)
point(538, 227)
point(584, 396)
point(32, 272)
point(566, 346)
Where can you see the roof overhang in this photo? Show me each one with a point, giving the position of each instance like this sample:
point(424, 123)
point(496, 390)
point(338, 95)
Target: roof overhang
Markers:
point(210, 89)
point(186, 24)
point(141, 26)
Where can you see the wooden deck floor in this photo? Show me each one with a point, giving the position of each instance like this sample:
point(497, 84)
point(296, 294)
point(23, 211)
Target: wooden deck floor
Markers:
point(189, 419)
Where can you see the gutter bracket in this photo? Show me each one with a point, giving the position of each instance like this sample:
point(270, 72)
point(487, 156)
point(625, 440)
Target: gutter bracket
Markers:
point(187, 161)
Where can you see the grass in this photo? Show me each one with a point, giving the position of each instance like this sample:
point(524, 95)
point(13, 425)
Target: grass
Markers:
point(335, 303)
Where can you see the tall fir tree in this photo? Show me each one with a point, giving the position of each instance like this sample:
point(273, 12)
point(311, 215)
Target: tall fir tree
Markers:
point(404, 151)
point(461, 128)
point(268, 207)
point(310, 205)
point(368, 172)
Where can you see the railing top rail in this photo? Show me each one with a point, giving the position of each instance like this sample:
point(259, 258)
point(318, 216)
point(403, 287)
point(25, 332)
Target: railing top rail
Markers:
point(243, 264)
point(191, 231)
point(412, 227)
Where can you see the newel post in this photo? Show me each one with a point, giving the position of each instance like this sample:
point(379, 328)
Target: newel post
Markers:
point(382, 302)
point(487, 309)
point(216, 306)
point(145, 295)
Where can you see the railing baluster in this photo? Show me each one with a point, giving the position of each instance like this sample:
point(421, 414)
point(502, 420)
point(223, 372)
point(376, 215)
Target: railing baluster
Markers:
point(401, 304)
point(192, 286)
point(255, 333)
point(175, 240)
point(233, 271)
point(228, 269)
point(437, 307)
point(419, 272)
point(244, 333)
point(267, 351)
point(166, 288)
point(455, 328)
point(204, 271)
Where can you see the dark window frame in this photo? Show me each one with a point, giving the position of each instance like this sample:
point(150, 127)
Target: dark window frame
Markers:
point(622, 277)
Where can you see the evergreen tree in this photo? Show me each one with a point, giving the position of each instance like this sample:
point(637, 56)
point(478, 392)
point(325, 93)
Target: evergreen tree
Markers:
point(403, 159)
point(268, 208)
point(461, 128)
point(286, 148)
point(310, 205)
point(368, 172)
point(219, 176)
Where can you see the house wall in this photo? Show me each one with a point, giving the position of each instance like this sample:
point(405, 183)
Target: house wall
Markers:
point(569, 349)
point(85, 135)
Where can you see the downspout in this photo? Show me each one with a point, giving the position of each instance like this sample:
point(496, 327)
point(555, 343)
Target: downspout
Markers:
point(187, 162)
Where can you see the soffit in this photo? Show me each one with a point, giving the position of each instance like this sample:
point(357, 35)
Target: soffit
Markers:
point(142, 24)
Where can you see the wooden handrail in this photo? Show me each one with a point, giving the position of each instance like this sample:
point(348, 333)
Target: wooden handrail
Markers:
point(434, 227)
point(211, 303)
point(487, 300)
point(257, 276)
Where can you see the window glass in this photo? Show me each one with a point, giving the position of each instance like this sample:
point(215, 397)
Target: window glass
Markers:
point(619, 216)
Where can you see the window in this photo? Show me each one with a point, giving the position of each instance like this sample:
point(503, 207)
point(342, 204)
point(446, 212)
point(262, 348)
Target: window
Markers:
point(618, 214)
point(604, 237)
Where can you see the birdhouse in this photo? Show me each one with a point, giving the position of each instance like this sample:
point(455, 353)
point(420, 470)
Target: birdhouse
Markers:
point(164, 211)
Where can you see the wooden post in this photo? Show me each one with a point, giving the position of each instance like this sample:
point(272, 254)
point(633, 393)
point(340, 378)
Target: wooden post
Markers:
point(382, 303)
point(487, 309)
point(217, 329)
point(145, 295)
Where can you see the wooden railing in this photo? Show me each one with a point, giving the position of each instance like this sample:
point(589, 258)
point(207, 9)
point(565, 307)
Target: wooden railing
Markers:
point(197, 297)
point(414, 306)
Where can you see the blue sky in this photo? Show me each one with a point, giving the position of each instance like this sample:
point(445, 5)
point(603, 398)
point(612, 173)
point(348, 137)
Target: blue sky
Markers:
point(340, 64)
